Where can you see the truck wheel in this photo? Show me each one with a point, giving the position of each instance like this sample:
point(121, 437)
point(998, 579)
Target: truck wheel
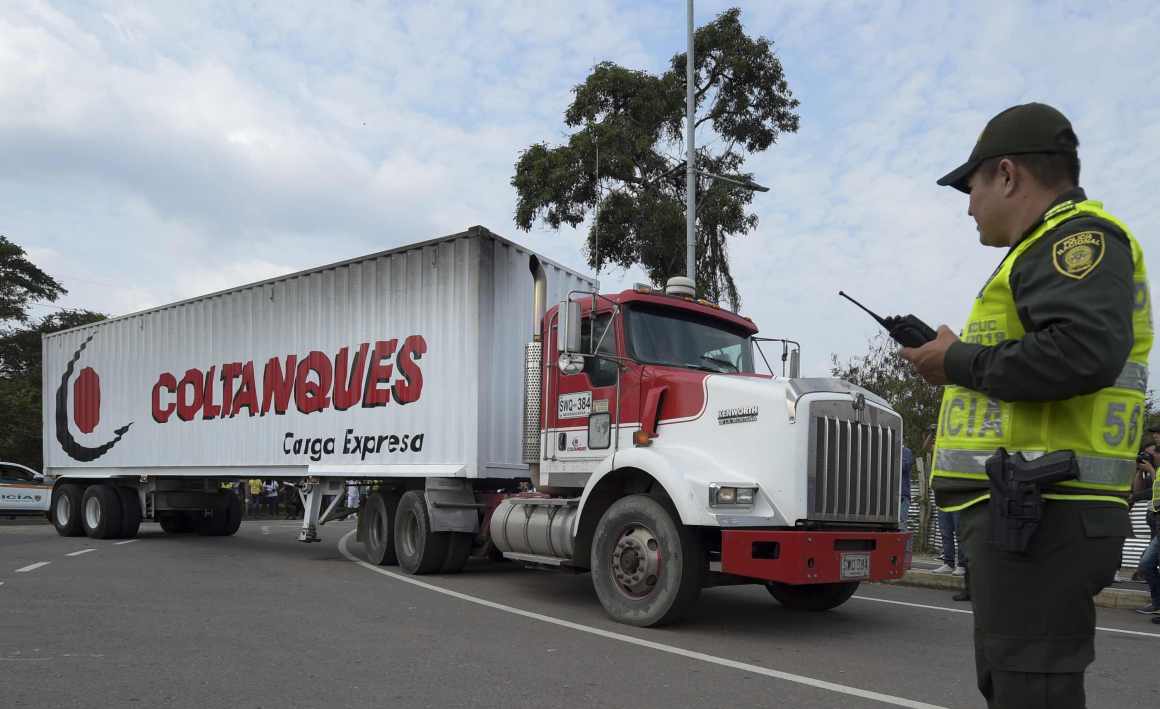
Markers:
point(177, 522)
point(222, 520)
point(101, 513)
point(233, 516)
point(646, 566)
point(458, 549)
point(130, 512)
point(66, 510)
point(812, 597)
point(420, 551)
point(377, 516)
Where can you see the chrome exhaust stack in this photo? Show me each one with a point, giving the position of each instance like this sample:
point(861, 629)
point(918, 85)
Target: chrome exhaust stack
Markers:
point(533, 375)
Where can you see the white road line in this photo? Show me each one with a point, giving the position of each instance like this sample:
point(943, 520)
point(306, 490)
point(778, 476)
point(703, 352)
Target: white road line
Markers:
point(32, 567)
point(959, 610)
point(127, 541)
point(660, 647)
point(265, 529)
point(914, 605)
point(78, 553)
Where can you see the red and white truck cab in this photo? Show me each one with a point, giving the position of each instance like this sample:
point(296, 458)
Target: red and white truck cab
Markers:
point(656, 457)
point(671, 465)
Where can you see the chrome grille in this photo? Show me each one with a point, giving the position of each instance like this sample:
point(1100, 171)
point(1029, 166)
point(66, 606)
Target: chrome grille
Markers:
point(854, 471)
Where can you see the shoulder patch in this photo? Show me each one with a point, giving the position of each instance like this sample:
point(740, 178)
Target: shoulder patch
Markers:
point(1077, 255)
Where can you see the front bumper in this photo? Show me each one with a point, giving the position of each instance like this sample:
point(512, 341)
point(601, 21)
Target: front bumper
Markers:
point(806, 557)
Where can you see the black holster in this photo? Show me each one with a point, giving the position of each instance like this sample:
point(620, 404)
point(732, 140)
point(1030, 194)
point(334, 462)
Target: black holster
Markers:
point(1017, 486)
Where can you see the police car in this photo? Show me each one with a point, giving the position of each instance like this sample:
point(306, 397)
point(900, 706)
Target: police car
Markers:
point(23, 491)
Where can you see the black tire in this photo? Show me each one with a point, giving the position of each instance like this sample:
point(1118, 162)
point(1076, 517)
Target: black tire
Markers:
point(101, 513)
point(65, 511)
point(223, 519)
point(377, 517)
point(178, 522)
point(458, 549)
point(812, 597)
point(635, 536)
point(130, 512)
point(233, 516)
point(419, 550)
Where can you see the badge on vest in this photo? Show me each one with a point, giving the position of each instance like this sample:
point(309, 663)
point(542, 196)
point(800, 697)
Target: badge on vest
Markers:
point(1077, 255)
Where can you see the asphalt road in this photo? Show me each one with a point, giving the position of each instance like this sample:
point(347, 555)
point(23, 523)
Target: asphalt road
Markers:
point(260, 620)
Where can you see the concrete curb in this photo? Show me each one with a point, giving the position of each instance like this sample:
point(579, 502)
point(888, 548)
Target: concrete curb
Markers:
point(1107, 598)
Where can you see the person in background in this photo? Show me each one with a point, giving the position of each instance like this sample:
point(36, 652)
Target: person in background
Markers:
point(270, 497)
point(1150, 561)
point(1142, 492)
point(255, 495)
point(352, 495)
point(952, 547)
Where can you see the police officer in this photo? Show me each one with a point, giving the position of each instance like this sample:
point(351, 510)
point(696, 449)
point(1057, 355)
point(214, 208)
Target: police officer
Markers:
point(1053, 357)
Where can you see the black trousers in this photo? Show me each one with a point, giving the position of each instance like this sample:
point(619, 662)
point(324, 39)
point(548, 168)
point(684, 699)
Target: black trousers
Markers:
point(1034, 615)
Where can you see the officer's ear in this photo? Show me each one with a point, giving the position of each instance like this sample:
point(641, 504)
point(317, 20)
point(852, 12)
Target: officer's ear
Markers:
point(1009, 176)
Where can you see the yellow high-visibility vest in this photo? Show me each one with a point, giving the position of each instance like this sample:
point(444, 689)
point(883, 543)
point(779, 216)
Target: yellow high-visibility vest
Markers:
point(1102, 428)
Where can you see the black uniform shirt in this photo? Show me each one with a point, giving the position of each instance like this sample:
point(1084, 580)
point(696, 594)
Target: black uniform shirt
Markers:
point(1078, 331)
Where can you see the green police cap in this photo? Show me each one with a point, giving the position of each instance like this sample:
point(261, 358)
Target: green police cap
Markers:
point(1027, 128)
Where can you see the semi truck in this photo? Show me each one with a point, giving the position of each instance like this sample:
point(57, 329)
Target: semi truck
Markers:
point(489, 402)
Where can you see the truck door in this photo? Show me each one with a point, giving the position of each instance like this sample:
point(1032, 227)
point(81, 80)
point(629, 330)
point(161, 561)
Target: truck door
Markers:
point(575, 399)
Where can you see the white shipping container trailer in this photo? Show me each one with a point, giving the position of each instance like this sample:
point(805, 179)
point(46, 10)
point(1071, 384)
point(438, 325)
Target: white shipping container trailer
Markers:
point(626, 434)
point(401, 364)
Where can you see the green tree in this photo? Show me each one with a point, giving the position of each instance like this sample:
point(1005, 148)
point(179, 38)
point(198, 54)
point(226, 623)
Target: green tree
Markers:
point(21, 282)
point(883, 371)
point(20, 384)
point(636, 121)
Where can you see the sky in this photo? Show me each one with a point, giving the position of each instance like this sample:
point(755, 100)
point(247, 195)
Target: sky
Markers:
point(157, 151)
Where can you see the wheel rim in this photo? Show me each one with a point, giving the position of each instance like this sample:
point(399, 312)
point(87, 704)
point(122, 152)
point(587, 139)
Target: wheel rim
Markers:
point(92, 512)
point(636, 561)
point(63, 510)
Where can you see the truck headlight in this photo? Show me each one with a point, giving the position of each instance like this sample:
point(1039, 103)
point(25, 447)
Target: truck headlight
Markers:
point(731, 495)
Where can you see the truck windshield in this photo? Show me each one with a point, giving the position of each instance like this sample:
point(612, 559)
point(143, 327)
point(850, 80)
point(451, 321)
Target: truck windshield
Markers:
point(658, 335)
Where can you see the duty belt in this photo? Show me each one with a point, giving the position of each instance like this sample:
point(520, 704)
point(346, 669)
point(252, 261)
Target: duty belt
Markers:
point(1114, 473)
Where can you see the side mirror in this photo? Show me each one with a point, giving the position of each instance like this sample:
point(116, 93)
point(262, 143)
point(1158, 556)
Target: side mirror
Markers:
point(570, 327)
point(795, 365)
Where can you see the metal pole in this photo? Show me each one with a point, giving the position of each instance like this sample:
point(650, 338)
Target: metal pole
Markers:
point(690, 166)
point(596, 139)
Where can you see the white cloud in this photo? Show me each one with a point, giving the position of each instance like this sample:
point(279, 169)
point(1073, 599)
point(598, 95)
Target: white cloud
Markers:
point(155, 150)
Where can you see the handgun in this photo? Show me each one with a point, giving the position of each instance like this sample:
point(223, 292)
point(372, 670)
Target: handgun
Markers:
point(1017, 487)
point(907, 330)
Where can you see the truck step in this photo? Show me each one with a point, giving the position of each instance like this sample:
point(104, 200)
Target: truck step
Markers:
point(537, 560)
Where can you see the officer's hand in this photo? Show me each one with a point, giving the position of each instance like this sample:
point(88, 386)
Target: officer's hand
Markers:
point(928, 359)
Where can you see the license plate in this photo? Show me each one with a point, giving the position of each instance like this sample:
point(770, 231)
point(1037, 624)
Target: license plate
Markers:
point(855, 566)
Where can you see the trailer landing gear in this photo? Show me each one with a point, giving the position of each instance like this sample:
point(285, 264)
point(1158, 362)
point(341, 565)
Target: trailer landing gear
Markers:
point(311, 491)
